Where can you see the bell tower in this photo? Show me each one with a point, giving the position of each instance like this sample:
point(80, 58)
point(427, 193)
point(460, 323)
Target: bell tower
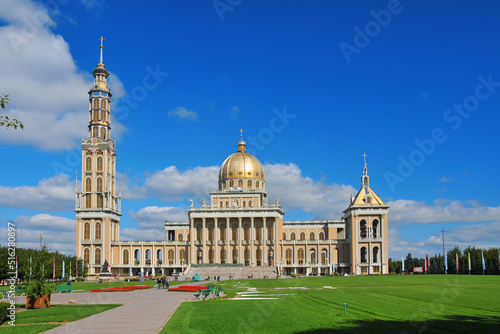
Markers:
point(98, 204)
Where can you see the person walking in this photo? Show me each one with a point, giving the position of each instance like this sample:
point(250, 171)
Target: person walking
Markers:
point(163, 282)
point(158, 280)
point(168, 282)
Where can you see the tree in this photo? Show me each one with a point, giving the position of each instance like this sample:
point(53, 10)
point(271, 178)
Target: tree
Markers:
point(5, 120)
point(38, 284)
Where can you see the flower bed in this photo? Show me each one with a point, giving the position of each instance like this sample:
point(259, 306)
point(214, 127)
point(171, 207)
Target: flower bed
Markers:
point(187, 288)
point(123, 288)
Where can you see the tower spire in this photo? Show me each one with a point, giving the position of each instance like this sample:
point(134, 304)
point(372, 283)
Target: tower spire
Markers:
point(101, 39)
point(365, 179)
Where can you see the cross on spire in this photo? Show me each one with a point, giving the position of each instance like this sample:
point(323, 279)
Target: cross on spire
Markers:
point(364, 156)
point(101, 39)
point(241, 134)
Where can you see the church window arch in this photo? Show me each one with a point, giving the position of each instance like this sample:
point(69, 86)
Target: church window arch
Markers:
point(311, 236)
point(321, 236)
point(103, 104)
point(312, 255)
point(257, 184)
point(223, 255)
point(88, 184)
point(86, 255)
point(210, 232)
point(300, 256)
point(234, 231)
point(292, 236)
point(244, 204)
point(95, 132)
point(258, 231)
point(240, 183)
point(98, 231)
point(246, 231)
point(180, 237)
point(302, 236)
point(125, 259)
point(362, 229)
point(99, 184)
point(159, 256)
point(171, 256)
point(270, 231)
point(363, 255)
point(324, 256)
point(231, 183)
point(198, 232)
point(284, 236)
point(288, 256)
point(88, 201)
point(99, 201)
point(222, 231)
point(249, 184)
point(227, 204)
point(375, 254)
point(182, 256)
point(88, 164)
point(375, 228)
point(221, 204)
point(235, 255)
point(96, 103)
point(86, 231)
point(103, 133)
point(211, 255)
point(148, 256)
point(99, 163)
point(97, 256)
point(137, 256)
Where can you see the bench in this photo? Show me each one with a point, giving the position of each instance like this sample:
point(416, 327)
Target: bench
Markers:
point(21, 290)
point(219, 292)
point(197, 294)
point(4, 294)
point(64, 288)
point(206, 292)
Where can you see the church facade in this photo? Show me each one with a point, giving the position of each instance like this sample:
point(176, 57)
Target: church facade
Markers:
point(238, 225)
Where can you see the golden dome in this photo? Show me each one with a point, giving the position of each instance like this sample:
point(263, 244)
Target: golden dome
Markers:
point(241, 170)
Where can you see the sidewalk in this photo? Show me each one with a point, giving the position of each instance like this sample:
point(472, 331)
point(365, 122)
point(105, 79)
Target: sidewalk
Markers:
point(145, 311)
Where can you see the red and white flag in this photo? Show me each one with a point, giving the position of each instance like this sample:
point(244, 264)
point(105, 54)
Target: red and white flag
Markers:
point(425, 263)
point(457, 262)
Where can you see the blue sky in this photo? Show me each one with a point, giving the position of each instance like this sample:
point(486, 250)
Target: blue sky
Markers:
point(415, 85)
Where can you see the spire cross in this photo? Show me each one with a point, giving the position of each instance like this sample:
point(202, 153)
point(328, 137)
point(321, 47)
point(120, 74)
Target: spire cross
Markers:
point(241, 134)
point(101, 39)
point(364, 156)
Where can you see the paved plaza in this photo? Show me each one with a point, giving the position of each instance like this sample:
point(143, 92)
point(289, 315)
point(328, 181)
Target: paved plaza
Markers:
point(144, 311)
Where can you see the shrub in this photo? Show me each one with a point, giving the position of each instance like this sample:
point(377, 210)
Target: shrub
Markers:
point(3, 312)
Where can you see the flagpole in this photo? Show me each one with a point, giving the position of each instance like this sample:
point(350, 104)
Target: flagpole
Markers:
point(468, 257)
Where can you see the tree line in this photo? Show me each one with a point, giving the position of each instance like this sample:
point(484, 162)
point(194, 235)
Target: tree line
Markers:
point(437, 262)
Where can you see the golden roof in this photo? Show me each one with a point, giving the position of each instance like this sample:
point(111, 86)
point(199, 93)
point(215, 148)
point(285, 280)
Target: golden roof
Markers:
point(367, 197)
point(241, 165)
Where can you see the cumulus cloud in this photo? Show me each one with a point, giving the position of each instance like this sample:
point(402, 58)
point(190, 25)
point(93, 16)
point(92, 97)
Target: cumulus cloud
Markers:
point(153, 217)
point(442, 211)
point(136, 234)
point(183, 113)
point(47, 91)
point(170, 184)
point(446, 179)
point(52, 194)
point(46, 222)
point(325, 201)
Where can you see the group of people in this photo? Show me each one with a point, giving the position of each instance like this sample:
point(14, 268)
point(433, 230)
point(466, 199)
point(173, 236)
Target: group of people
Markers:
point(163, 281)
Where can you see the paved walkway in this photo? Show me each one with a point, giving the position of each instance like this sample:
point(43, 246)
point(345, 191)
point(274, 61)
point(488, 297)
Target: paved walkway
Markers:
point(145, 311)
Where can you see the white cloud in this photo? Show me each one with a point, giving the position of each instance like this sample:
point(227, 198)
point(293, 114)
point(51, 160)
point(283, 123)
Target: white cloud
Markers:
point(146, 235)
point(325, 201)
point(442, 211)
point(46, 222)
point(183, 113)
point(153, 217)
point(170, 184)
point(52, 194)
point(446, 179)
point(47, 91)
point(234, 112)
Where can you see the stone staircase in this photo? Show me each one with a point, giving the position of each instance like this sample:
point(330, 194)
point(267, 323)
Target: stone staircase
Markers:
point(236, 272)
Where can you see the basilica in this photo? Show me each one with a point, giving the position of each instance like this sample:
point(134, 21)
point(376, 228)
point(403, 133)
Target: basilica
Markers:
point(238, 226)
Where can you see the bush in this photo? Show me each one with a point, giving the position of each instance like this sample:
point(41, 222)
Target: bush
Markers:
point(3, 312)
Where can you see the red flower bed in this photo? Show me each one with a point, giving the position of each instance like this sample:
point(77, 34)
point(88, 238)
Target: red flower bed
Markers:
point(123, 288)
point(188, 288)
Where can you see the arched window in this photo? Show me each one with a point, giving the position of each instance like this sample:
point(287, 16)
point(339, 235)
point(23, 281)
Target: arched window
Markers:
point(98, 231)
point(182, 256)
point(148, 256)
point(86, 256)
point(362, 229)
point(244, 204)
point(99, 201)
point(103, 104)
point(246, 255)
point(86, 231)
point(270, 231)
point(95, 132)
point(88, 201)
point(221, 204)
point(321, 236)
point(97, 256)
point(125, 256)
point(258, 231)
point(222, 232)
point(231, 183)
point(103, 133)
point(313, 255)
point(234, 230)
point(210, 232)
point(159, 256)
point(246, 231)
point(363, 254)
point(88, 184)
point(180, 237)
point(171, 256)
point(375, 255)
point(323, 256)
point(235, 255)
point(99, 184)
point(300, 255)
point(292, 236)
point(311, 236)
point(227, 204)
point(240, 183)
point(258, 256)
point(375, 229)
point(96, 103)
point(88, 164)
point(302, 236)
point(284, 236)
point(211, 255)
point(99, 163)
point(288, 256)
point(223, 255)
point(137, 256)
point(257, 184)
point(249, 184)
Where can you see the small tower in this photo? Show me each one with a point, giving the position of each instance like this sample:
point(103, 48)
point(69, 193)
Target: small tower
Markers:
point(366, 223)
point(98, 202)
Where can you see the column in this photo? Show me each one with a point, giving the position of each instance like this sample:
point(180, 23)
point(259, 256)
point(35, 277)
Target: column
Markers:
point(204, 239)
point(228, 249)
point(216, 241)
point(191, 241)
point(252, 241)
point(239, 241)
point(264, 237)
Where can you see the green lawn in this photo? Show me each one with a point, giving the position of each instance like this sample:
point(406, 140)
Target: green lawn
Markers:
point(387, 304)
point(87, 286)
point(39, 320)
